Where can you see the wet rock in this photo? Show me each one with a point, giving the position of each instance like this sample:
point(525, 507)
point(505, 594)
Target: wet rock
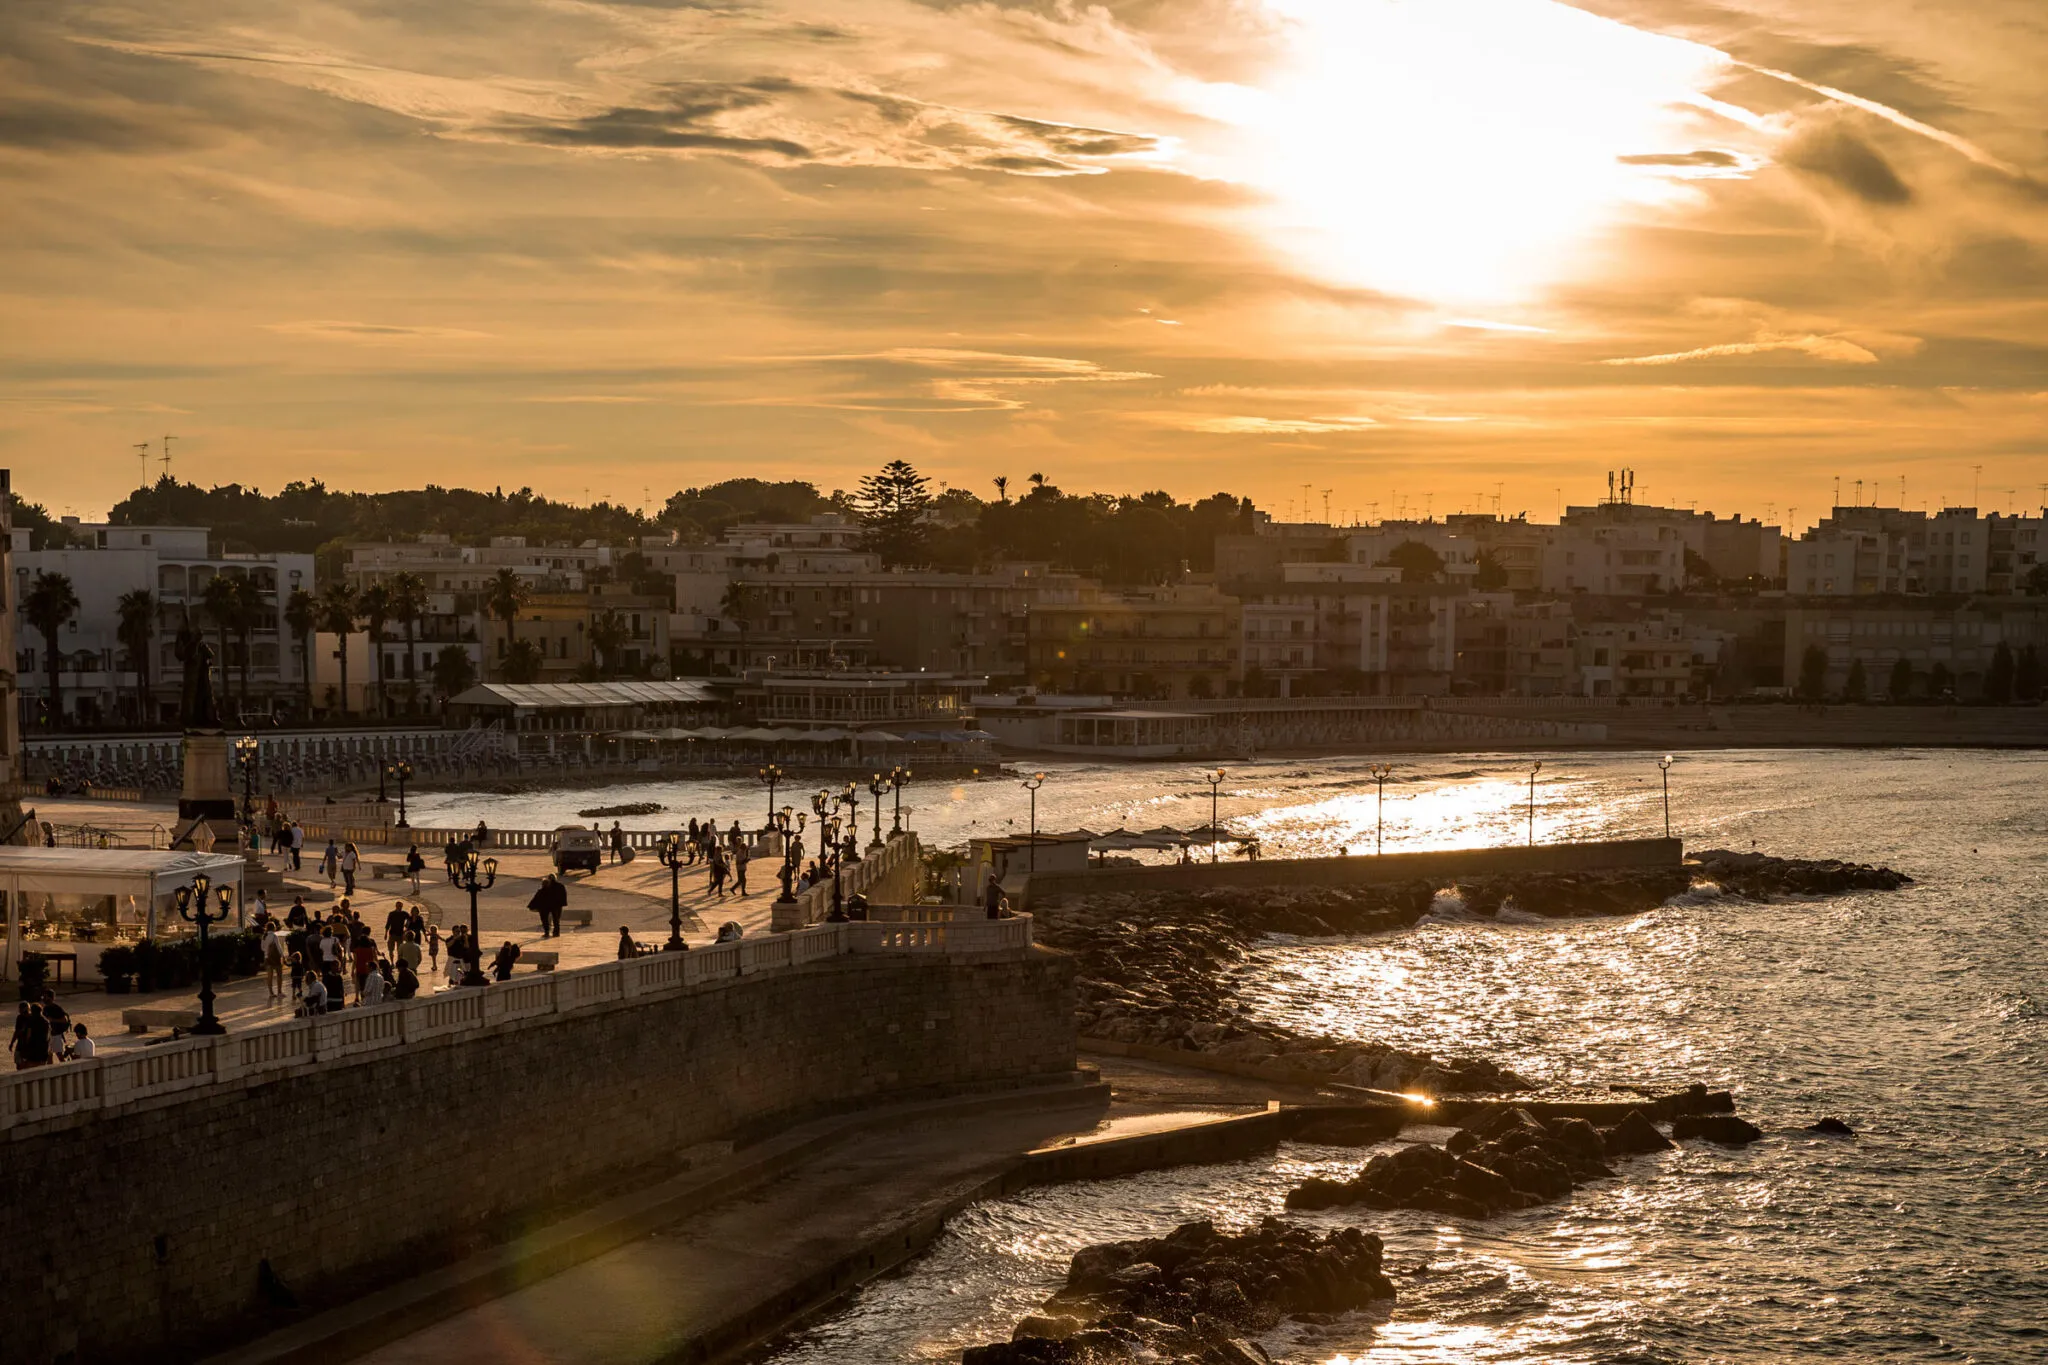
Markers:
point(1195, 1294)
point(1505, 1159)
point(1723, 1130)
point(1053, 1327)
point(1633, 1136)
point(1831, 1128)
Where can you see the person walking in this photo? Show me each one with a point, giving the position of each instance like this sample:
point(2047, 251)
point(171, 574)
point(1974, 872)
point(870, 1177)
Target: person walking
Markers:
point(618, 843)
point(717, 857)
point(692, 841)
point(501, 964)
point(549, 899)
point(298, 845)
point(273, 962)
point(414, 865)
point(395, 926)
point(408, 954)
point(350, 860)
point(434, 947)
point(330, 863)
point(739, 866)
point(298, 966)
point(32, 1038)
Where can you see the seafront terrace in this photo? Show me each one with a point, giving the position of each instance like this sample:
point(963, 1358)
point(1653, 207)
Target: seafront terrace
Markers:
point(374, 1033)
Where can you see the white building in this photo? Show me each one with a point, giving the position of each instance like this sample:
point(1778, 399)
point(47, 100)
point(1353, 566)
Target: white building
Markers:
point(263, 675)
point(1619, 560)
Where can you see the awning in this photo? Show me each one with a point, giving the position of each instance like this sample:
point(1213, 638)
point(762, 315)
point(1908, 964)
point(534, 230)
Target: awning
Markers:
point(146, 877)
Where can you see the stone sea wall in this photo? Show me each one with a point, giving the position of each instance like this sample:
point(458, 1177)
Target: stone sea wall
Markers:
point(153, 1233)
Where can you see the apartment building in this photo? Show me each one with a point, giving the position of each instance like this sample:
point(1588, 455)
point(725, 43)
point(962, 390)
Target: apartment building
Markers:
point(1868, 551)
point(1946, 648)
point(1163, 643)
point(99, 681)
point(1358, 625)
point(1659, 656)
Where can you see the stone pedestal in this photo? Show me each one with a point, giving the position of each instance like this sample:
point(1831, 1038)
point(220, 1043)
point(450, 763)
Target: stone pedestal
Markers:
point(206, 793)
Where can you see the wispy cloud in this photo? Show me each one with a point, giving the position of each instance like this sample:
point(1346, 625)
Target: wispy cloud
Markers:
point(1833, 349)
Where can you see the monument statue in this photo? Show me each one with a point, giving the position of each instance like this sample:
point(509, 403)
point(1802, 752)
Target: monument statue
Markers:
point(198, 711)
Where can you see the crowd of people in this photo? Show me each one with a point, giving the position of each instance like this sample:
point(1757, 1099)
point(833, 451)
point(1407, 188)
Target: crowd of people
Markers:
point(44, 1032)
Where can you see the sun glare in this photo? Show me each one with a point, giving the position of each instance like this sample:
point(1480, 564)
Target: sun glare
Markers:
point(1458, 151)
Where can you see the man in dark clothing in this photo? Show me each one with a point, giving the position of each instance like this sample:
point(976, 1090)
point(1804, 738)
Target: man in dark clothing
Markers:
point(994, 899)
point(548, 901)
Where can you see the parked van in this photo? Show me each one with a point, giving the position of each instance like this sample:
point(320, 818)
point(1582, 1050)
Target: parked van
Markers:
point(575, 846)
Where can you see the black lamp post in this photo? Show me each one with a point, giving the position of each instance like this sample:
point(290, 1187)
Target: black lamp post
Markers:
point(1534, 769)
point(672, 857)
point(876, 786)
point(382, 799)
point(771, 775)
point(1664, 767)
point(792, 851)
point(1032, 784)
point(191, 902)
point(1380, 772)
point(401, 773)
point(899, 778)
point(245, 749)
point(473, 875)
point(1215, 781)
point(851, 796)
point(826, 804)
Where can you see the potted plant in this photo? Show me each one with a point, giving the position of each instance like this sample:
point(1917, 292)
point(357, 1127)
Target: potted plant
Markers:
point(117, 965)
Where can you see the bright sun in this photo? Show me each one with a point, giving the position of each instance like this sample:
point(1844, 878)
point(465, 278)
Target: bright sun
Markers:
point(1459, 151)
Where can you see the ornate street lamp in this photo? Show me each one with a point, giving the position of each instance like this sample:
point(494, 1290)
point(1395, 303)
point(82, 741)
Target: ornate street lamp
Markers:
point(770, 776)
point(401, 773)
point(1032, 784)
point(191, 902)
point(473, 875)
point(1215, 781)
point(673, 855)
point(876, 786)
point(1380, 773)
point(792, 851)
point(899, 778)
point(851, 796)
point(1534, 769)
point(826, 804)
point(1664, 767)
point(245, 749)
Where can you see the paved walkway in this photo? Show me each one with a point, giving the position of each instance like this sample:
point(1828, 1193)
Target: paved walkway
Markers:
point(634, 894)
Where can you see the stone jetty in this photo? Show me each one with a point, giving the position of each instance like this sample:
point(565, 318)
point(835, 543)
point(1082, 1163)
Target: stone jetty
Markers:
point(1159, 968)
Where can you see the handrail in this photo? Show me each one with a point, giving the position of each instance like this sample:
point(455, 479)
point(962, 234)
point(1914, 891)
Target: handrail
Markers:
point(370, 1034)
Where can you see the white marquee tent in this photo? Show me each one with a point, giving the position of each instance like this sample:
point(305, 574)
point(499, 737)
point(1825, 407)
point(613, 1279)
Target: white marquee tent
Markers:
point(140, 881)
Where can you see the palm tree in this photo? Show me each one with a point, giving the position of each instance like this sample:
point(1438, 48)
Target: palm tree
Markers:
point(338, 612)
point(302, 614)
point(608, 635)
point(136, 623)
point(522, 662)
point(375, 603)
point(737, 602)
point(408, 605)
point(1003, 487)
point(453, 673)
point(505, 596)
point(49, 605)
point(221, 601)
point(249, 611)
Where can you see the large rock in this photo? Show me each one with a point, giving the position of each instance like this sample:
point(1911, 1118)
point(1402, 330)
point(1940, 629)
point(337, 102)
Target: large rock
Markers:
point(1633, 1136)
point(1724, 1130)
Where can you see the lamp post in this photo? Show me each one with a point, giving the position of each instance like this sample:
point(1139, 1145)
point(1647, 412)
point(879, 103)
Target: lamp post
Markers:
point(1032, 784)
point(382, 799)
point(826, 804)
point(1534, 768)
point(473, 875)
point(1379, 773)
point(1664, 767)
point(672, 856)
point(851, 796)
point(876, 786)
point(1215, 781)
point(245, 749)
point(401, 773)
point(899, 778)
point(191, 903)
point(771, 775)
point(792, 850)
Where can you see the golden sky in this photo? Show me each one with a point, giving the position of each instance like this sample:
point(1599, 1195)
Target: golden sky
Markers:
point(1417, 253)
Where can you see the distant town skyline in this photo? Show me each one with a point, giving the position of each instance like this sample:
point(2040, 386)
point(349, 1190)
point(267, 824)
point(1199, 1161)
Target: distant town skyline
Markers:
point(1347, 259)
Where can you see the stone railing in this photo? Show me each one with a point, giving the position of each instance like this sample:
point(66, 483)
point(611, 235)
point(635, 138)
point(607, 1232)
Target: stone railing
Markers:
point(877, 867)
point(375, 1033)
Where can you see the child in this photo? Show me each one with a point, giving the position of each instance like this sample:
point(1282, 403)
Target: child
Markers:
point(82, 1048)
point(434, 947)
point(298, 965)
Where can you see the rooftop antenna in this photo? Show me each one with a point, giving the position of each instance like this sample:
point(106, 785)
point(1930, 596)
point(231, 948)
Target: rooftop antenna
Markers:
point(1838, 490)
point(1496, 497)
point(1610, 486)
point(1976, 477)
point(1326, 506)
point(1902, 492)
point(142, 450)
point(1859, 492)
point(167, 456)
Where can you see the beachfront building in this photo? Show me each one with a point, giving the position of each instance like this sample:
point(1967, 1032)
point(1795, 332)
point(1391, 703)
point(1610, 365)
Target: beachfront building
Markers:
point(1166, 643)
point(261, 670)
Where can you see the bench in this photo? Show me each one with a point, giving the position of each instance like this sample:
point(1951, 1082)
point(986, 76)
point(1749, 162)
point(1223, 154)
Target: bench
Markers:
point(541, 959)
point(139, 1020)
point(581, 917)
point(379, 871)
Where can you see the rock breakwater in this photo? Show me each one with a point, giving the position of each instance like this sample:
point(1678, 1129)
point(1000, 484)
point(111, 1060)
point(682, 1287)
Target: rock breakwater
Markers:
point(1195, 1296)
point(1160, 968)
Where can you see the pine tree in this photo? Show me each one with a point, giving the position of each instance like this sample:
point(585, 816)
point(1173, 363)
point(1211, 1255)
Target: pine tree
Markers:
point(1901, 685)
point(1998, 681)
point(2027, 676)
point(1857, 684)
point(891, 505)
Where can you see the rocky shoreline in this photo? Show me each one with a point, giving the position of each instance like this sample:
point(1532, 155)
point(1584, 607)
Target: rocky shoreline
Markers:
point(1159, 968)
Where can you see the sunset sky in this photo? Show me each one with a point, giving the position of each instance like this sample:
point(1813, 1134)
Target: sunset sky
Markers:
point(1413, 252)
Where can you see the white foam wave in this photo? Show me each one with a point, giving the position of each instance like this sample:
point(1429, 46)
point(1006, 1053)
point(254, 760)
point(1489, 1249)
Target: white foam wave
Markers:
point(1699, 893)
point(1448, 907)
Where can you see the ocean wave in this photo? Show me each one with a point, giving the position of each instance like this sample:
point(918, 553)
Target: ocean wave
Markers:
point(1448, 907)
point(1699, 893)
point(1510, 913)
